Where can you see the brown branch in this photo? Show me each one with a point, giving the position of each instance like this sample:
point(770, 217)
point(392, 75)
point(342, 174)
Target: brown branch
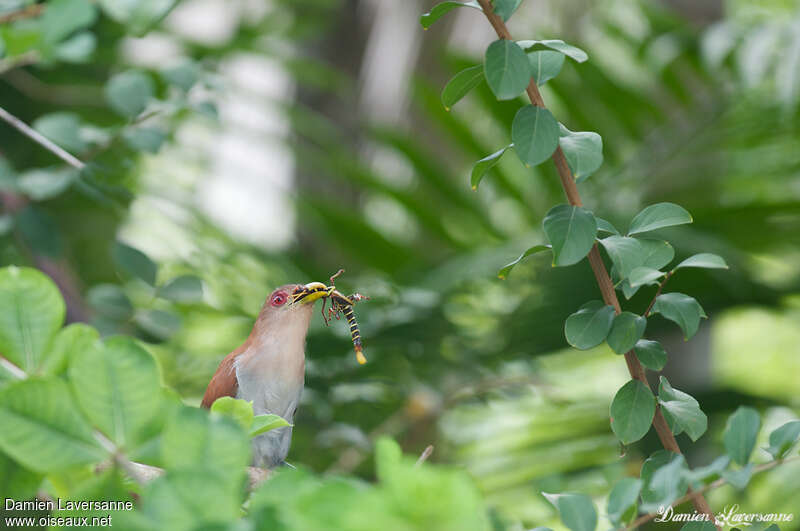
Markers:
point(596, 262)
point(426, 453)
point(28, 12)
point(40, 139)
point(713, 485)
point(658, 292)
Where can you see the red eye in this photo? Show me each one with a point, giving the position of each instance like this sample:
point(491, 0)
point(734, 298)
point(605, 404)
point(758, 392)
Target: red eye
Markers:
point(278, 299)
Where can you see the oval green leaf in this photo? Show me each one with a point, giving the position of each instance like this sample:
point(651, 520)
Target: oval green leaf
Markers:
point(505, 8)
point(576, 510)
point(704, 260)
point(33, 311)
point(783, 439)
point(185, 289)
point(639, 276)
point(545, 65)
point(507, 69)
point(503, 273)
point(657, 253)
point(583, 150)
point(659, 216)
point(129, 92)
point(682, 309)
point(626, 330)
point(632, 411)
point(110, 301)
point(441, 9)
point(626, 253)
point(740, 434)
point(134, 262)
point(265, 423)
point(534, 132)
point(461, 84)
point(589, 326)
point(558, 45)
point(622, 498)
point(571, 231)
point(651, 354)
point(682, 411)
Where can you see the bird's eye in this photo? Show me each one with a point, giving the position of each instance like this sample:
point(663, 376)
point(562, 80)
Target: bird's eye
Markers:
point(278, 299)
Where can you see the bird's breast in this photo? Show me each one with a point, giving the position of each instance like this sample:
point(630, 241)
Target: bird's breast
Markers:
point(272, 377)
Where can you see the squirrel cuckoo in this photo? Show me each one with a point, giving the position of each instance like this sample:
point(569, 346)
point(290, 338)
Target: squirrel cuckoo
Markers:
point(268, 369)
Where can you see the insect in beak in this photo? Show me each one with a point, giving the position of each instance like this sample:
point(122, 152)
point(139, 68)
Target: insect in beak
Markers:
point(310, 293)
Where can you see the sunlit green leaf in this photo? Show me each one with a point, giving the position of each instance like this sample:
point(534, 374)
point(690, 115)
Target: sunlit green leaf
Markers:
point(78, 48)
point(33, 311)
point(571, 231)
point(534, 132)
point(461, 84)
point(441, 9)
point(62, 17)
point(16, 481)
point(632, 411)
point(639, 276)
point(682, 309)
point(651, 354)
point(503, 273)
point(740, 434)
point(657, 253)
point(589, 326)
point(139, 16)
point(659, 216)
point(576, 510)
point(626, 330)
point(239, 410)
point(483, 166)
point(117, 386)
point(76, 337)
point(507, 69)
point(42, 428)
point(265, 423)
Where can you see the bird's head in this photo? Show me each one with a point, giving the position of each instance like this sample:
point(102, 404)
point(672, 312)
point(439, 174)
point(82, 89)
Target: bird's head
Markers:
point(291, 304)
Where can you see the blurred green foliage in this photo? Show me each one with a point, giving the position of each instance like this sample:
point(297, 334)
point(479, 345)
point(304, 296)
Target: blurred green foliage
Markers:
point(696, 112)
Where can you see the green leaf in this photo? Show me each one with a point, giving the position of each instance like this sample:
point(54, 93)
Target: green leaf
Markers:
point(571, 231)
point(110, 301)
point(704, 260)
point(700, 474)
point(70, 339)
point(659, 216)
point(626, 330)
point(583, 150)
point(461, 84)
point(783, 439)
point(129, 92)
point(505, 8)
point(622, 497)
point(41, 184)
point(558, 45)
point(265, 423)
point(606, 226)
point(193, 437)
point(158, 323)
point(589, 326)
point(117, 386)
point(682, 409)
point(682, 310)
point(140, 16)
point(651, 354)
point(699, 526)
point(78, 48)
point(16, 481)
point(183, 75)
point(483, 166)
point(657, 253)
point(576, 510)
point(653, 494)
point(639, 276)
point(507, 69)
point(626, 253)
point(441, 9)
point(239, 410)
point(667, 483)
point(545, 65)
point(63, 128)
point(42, 428)
point(147, 139)
point(534, 132)
point(63, 17)
point(503, 273)
point(740, 434)
point(134, 262)
point(33, 311)
point(632, 411)
point(185, 289)
point(738, 478)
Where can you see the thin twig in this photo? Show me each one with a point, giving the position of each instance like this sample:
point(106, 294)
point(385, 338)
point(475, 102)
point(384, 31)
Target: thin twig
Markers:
point(30, 11)
point(12, 369)
point(658, 292)
point(596, 261)
point(40, 139)
point(426, 453)
point(711, 486)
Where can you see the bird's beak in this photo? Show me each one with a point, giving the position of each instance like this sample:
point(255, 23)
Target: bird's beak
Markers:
point(310, 292)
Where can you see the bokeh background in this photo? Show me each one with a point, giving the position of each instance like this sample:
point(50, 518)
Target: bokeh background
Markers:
point(313, 139)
